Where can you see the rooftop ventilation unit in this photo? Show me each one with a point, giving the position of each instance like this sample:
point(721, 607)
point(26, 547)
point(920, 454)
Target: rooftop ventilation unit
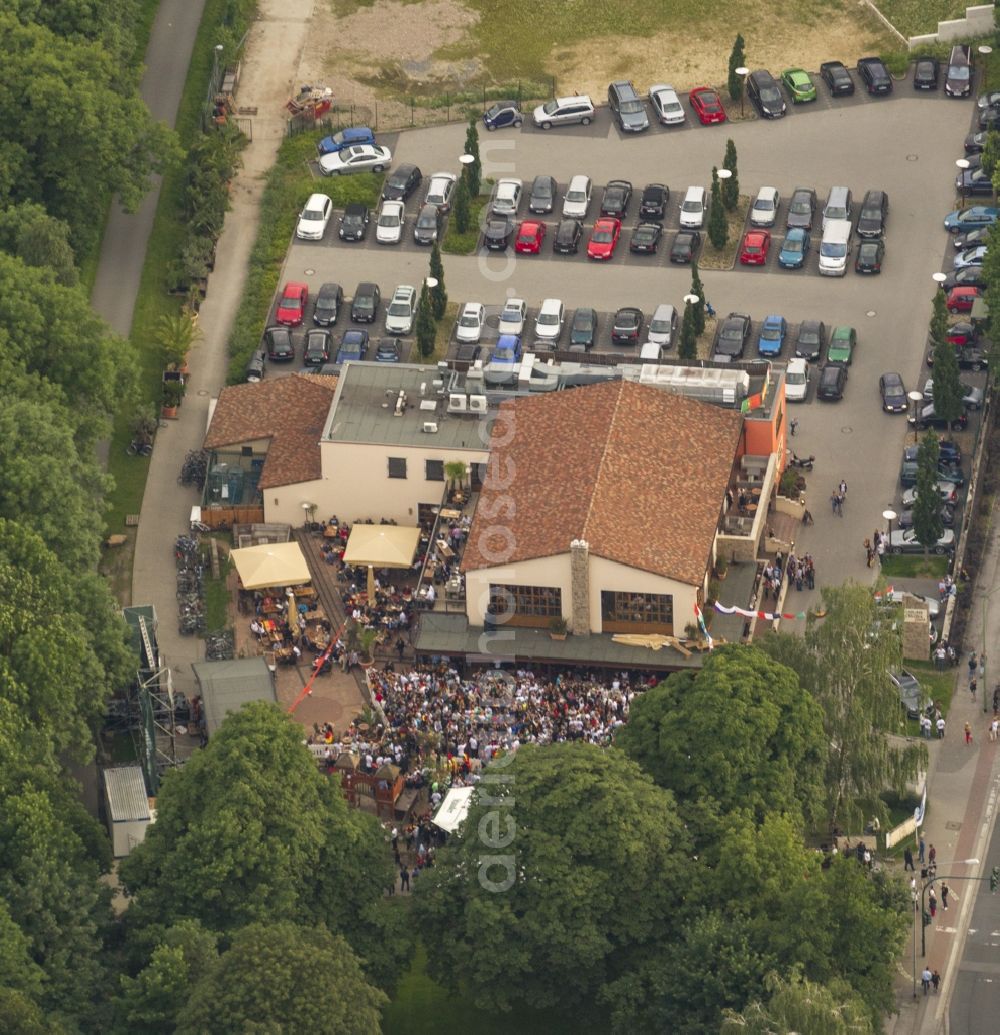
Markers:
point(477, 404)
point(400, 404)
point(458, 403)
point(428, 405)
point(430, 426)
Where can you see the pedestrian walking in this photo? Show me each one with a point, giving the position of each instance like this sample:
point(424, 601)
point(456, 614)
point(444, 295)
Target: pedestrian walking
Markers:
point(842, 487)
point(932, 903)
point(908, 860)
point(710, 311)
point(925, 725)
point(972, 687)
point(940, 727)
point(404, 879)
point(869, 552)
point(834, 501)
point(920, 850)
point(936, 980)
point(995, 728)
point(925, 979)
point(973, 663)
point(944, 894)
point(996, 698)
point(793, 425)
point(932, 855)
point(968, 734)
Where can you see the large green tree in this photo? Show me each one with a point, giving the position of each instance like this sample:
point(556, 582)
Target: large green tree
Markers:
point(737, 59)
point(688, 347)
point(473, 170)
point(425, 328)
point(844, 660)
point(568, 866)
point(798, 1005)
point(739, 730)
point(731, 187)
point(718, 228)
point(927, 522)
point(698, 290)
point(28, 232)
point(439, 293)
point(947, 387)
point(461, 212)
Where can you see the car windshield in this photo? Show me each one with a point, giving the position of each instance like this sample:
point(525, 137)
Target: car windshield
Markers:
point(800, 206)
point(709, 102)
point(764, 205)
point(504, 352)
point(525, 238)
point(495, 110)
point(427, 220)
point(542, 189)
point(671, 105)
point(603, 236)
point(833, 251)
point(576, 195)
point(353, 219)
point(770, 95)
point(631, 107)
point(808, 338)
point(551, 108)
point(389, 219)
point(399, 309)
point(691, 206)
point(291, 302)
point(793, 244)
point(547, 318)
point(511, 312)
point(959, 72)
point(771, 333)
point(312, 213)
point(469, 320)
point(659, 326)
point(871, 213)
point(795, 377)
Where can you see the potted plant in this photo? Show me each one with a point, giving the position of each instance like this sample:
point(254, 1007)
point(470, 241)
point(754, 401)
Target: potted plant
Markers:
point(721, 567)
point(362, 638)
point(175, 335)
point(456, 470)
point(173, 392)
point(557, 628)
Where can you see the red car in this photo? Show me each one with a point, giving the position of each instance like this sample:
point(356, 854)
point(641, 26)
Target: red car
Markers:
point(960, 299)
point(707, 105)
point(962, 334)
point(292, 305)
point(756, 245)
point(604, 238)
point(530, 235)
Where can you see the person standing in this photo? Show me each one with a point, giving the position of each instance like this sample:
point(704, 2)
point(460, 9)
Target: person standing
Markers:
point(920, 850)
point(925, 979)
point(972, 687)
point(936, 981)
point(842, 487)
point(995, 728)
point(944, 894)
point(968, 734)
point(404, 879)
point(973, 663)
point(940, 727)
point(908, 860)
point(932, 903)
point(932, 856)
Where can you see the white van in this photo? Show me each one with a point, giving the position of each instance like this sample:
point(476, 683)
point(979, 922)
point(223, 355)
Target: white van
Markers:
point(835, 248)
point(796, 380)
point(838, 205)
point(693, 209)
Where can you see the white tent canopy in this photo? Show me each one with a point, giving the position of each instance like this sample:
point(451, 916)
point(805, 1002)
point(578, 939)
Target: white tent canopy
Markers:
point(454, 809)
point(272, 564)
point(382, 546)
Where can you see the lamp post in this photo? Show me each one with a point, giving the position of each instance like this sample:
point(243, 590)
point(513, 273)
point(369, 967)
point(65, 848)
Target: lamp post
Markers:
point(963, 164)
point(928, 883)
point(466, 161)
point(890, 515)
point(216, 58)
point(985, 50)
point(742, 73)
point(939, 278)
point(916, 398)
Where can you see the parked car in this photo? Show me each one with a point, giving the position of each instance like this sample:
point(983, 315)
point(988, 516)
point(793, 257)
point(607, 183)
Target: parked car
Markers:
point(869, 257)
point(427, 228)
point(401, 182)
point(794, 249)
point(345, 138)
point(662, 330)
point(402, 310)
point(654, 200)
point(507, 196)
point(498, 232)
point(391, 220)
point(958, 78)
point(972, 397)
point(317, 347)
point(949, 452)
point(764, 94)
point(801, 209)
point(353, 223)
point(467, 354)
point(973, 256)
point(666, 106)
point(974, 183)
point(353, 346)
point(292, 304)
point(617, 195)
point(604, 239)
point(329, 301)
point(905, 520)
point(564, 111)
point(969, 238)
point(692, 214)
point(926, 72)
point(731, 337)
point(470, 322)
point(314, 218)
point(512, 316)
point(772, 335)
point(645, 238)
point(278, 343)
point(502, 114)
point(255, 366)
point(843, 342)
point(549, 321)
point(530, 235)
point(583, 330)
point(388, 350)
point(627, 107)
point(893, 393)
point(911, 694)
point(947, 492)
point(505, 357)
point(975, 142)
point(796, 380)
point(927, 418)
point(364, 305)
point(832, 382)
point(626, 328)
point(799, 85)
point(875, 75)
point(810, 340)
point(576, 201)
point(874, 212)
point(542, 198)
point(962, 299)
point(441, 191)
point(963, 333)
point(904, 540)
point(756, 245)
point(356, 158)
point(684, 246)
point(764, 210)
point(972, 218)
point(970, 357)
point(707, 105)
point(837, 78)
point(566, 239)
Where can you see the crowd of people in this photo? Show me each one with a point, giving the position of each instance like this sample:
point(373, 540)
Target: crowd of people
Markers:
point(799, 571)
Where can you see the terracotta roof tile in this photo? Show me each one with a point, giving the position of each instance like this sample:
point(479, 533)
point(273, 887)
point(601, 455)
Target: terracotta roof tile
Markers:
point(638, 472)
point(290, 411)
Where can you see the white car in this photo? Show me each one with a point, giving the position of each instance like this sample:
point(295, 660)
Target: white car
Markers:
point(470, 322)
point(512, 316)
point(796, 380)
point(391, 217)
point(577, 199)
point(933, 607)
point(765, 207)
point(947, 493)
point(358, 158)
point(402, 310)
point(507, 197)
point(314, 218)
point(905, 541)
point(549, 322)
point(692, 216)
point(440, 191)
point(663, 98)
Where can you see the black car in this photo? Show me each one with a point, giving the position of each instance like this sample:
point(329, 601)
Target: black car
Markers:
point(645, 238)
point(354, 223)
point(731, 337)
point(989, 118)
point(498, 232)
point(874, 212)
point(810, 340)
point(905, 519)
point(974, 183)
point(970, 357)
point(468, 353)
point(364, 306)
point(958, 78)
point(617, 195)
point(686, 243)
point(949, 453)
point(975, 142)
point(627, 326)
point(875, 75)
point(893, 393)
point(925, 73)
point(317, 347)
point(832, 381)
point(255, 366)
point(566, 239)
point(970, 238)
point(583, 330)
point(401, 182)
point(801, 209)
point(869, 257)
point(543, 195)
point(968, 276)
point(427, 226)
point(501, 114)
point(763, 92)
point(278, 342)
point(329, 301)
point(837, 78)
point(988, 100)
point(928, 418)
point(653, 204)
point(388, 350)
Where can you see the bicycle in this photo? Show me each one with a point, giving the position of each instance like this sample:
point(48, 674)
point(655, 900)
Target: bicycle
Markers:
point(139, 447)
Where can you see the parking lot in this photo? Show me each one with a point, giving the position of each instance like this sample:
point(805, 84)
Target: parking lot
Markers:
point(905, 144)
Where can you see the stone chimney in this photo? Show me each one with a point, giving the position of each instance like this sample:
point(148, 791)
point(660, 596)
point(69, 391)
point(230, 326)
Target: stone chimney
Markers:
point(579, 566)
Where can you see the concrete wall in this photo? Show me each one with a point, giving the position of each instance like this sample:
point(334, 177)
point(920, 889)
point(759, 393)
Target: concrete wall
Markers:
point(978, 21)
point(541, 571)
point(609, 575)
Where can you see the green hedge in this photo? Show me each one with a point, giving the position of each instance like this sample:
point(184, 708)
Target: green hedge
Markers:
point(289, 184)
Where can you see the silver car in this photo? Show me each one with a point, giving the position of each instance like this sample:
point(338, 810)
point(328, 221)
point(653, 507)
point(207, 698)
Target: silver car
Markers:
point(663, 98)
point(577, 198)
point(507, 197)
point(402, 309)
point(765, 207)
point(564, 111)
point(440, 190)
point(359, 158)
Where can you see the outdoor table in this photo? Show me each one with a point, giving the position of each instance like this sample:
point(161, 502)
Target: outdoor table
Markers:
point(331, 532)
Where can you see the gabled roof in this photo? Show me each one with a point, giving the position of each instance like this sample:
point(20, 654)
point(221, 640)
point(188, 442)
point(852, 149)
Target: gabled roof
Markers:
point(290, 411)
point(637, 472)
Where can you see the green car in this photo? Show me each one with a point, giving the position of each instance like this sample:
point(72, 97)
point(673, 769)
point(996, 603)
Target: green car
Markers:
point(842, 343)
point(798, 84)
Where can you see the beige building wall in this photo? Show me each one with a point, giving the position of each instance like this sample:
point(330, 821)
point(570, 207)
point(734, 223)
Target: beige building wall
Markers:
point(542, 571)
point(283, 503)
point(610, 575)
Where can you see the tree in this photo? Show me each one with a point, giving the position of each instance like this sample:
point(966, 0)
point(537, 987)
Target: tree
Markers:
point(718, 228)
point(991, 152)
point(474, 170)
point(176, 334)
point(460, 212)
point(538, 882)
point(731, 188)
point(688, 348)
point(279, 977)
point(698, 290)
point(28, 232)
point(798, 1005)
point(947, 386)
point(439, 294)
point(737, 59)
point(425, 329)
point(928, 525)
point(844, 660)
point(740, 730)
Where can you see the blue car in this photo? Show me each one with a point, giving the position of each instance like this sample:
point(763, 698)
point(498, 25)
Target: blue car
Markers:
point(503, 114)
point(354, 345)
point(970, 218)
point(507, 351)
point(794, 249)
point(345, 138)
point(772, 335)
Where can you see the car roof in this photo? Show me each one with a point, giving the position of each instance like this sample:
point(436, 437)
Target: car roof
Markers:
point(404, 289)
point(580, 98)
point(579, 180)
point(796, 363)
point(473, 306)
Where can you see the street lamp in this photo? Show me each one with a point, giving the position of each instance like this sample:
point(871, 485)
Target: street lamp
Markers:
point(742, 73)
point(216, 58)
point(890, 515)
point(939, 278)
point(963, 164)
point(916, 398)
point(692, 299)
point(431, 282)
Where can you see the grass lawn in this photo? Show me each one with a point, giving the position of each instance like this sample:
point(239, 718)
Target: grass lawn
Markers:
point(918, 17)
point(217, 600)
point(455, 243)
point(914, 566)
point(422, 1007)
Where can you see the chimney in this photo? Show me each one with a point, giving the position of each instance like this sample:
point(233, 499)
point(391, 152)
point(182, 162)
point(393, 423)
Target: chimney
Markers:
point(579, 567)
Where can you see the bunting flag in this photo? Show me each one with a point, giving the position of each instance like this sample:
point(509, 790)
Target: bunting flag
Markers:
point(765, 616)
point(701, 624)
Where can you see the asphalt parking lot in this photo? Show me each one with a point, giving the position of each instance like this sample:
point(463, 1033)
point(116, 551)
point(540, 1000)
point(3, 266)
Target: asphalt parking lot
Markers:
point(905, 144)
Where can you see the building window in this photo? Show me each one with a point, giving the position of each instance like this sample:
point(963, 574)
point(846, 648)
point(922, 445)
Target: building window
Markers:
point(434, 470)
point(631, 612)
point(531, 606)
point(397, 467)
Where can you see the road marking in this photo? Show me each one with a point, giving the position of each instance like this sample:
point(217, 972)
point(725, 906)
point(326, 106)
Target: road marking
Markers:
point(946, 930)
